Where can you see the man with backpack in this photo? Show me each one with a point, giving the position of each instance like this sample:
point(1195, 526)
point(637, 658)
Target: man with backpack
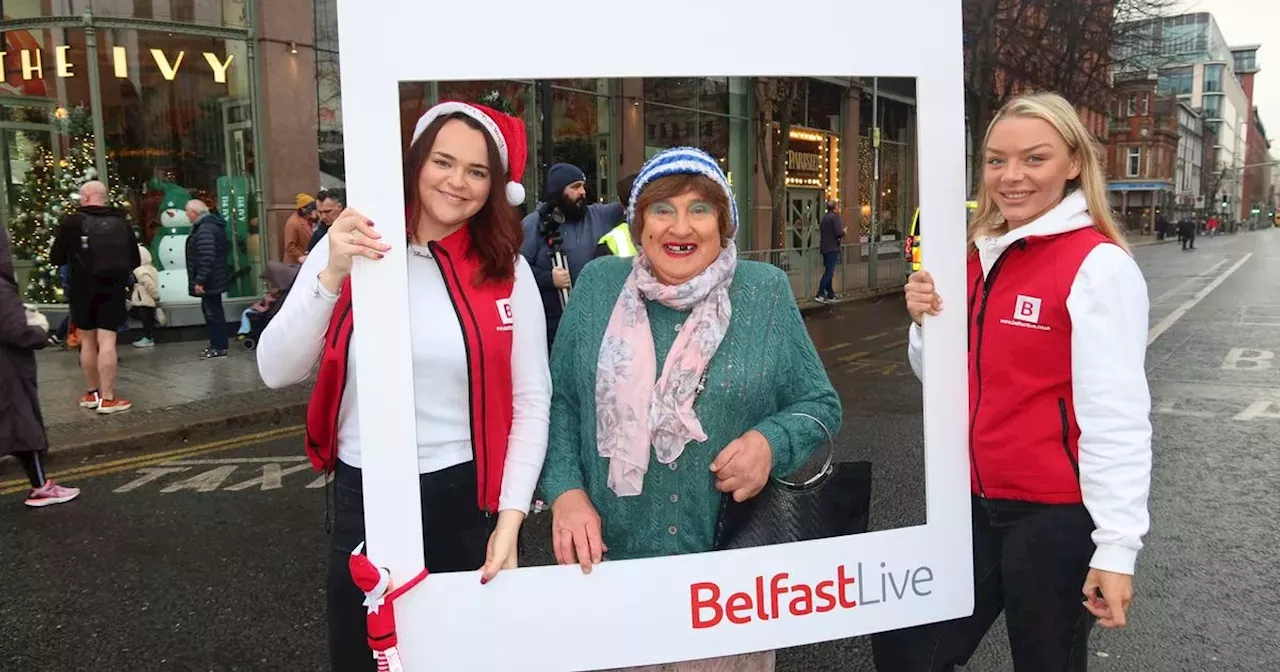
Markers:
point(97, 243)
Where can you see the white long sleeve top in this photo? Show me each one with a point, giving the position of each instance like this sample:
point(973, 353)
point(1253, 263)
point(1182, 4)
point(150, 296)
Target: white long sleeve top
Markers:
point(1109, 309)
point(291, 345)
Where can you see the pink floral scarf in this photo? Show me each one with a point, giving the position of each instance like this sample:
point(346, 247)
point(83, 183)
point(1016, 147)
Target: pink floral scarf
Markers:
point(632, 410)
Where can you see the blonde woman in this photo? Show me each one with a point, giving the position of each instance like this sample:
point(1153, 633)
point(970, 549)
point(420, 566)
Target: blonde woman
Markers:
point(1059, 432)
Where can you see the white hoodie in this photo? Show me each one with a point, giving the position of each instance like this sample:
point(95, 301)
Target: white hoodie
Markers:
point(1109, 317)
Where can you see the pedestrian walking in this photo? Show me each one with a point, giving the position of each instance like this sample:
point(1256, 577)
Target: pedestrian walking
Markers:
point(481, 384)
point(1060, 435)
point(21, 422)
point(144, 301)
point(97, 243)
point(1187, 234)
point(207, 273)
point(613, 467)
point(831, 232)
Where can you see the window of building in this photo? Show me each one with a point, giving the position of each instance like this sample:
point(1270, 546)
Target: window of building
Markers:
point(174, 129)
point(705, 112)
point(1212, 106)
point(1175, 81)
point(1135, 161)
point(1213, 77)
point(1144, 105)
point(1133, 105)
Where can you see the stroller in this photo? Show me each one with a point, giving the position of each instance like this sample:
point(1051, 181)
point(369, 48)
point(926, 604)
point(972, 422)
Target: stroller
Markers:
point(280, 278)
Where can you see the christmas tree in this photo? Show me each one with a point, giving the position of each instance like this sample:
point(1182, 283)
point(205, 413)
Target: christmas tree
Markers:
point(51, 189)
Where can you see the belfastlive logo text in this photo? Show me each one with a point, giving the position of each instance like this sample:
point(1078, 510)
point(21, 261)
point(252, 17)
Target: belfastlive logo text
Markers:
point(770, 597)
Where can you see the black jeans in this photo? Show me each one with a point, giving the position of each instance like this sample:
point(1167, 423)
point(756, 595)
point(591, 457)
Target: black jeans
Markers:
point(455, 537)
point(1030, 561)
point(147, 316)
point(829, 260)
point(216, 319)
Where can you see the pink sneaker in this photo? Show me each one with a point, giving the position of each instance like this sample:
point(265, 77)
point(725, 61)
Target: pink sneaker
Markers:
point(51, 493)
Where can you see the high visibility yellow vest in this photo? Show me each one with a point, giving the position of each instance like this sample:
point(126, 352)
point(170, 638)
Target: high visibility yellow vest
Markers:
point(619, 241)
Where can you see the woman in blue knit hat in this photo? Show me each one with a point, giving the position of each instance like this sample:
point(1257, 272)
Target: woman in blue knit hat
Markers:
point(675, 375)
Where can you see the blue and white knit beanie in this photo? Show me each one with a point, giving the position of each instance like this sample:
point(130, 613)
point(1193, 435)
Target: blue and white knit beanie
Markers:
point(682, 161)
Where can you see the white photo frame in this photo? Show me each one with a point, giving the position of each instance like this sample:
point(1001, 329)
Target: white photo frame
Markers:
point(640, 612)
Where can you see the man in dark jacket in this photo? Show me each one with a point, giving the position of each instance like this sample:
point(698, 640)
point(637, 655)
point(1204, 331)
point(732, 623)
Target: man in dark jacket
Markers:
point(207, 273)
point(97, 243)
point(831, 230)
point(583, 225)
point(21, 423)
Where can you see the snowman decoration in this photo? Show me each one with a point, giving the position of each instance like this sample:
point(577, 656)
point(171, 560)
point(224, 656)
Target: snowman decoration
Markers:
point(170, 244)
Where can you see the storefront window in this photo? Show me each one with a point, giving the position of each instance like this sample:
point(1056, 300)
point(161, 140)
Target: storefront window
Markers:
point(333, 172)
point(707, 112)
point(225, 13)
point(581, 131)
point(177, 117)
point(895, 198)
point(823, 105)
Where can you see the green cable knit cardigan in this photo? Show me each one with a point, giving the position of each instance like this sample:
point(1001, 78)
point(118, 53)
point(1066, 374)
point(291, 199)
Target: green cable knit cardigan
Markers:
point(765, 369)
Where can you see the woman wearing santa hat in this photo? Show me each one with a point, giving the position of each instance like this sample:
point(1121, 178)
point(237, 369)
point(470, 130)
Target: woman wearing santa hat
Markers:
point(481, 382)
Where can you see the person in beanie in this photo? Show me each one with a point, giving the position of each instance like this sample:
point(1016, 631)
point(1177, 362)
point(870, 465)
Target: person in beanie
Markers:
point(677, 377)
point(565, 198)
point(478, 342)
point(299, 229)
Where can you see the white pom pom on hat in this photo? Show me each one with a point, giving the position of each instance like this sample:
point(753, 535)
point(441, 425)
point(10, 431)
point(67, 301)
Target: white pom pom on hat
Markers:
point(506, 131)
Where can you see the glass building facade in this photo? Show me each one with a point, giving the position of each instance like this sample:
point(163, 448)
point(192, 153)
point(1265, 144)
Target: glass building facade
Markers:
point(239, 103)
point(157, 97)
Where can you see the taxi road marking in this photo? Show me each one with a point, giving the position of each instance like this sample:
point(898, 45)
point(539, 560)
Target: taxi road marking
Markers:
point(134, 463)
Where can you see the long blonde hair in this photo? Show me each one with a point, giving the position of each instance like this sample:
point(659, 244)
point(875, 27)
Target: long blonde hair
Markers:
point(1057, 112)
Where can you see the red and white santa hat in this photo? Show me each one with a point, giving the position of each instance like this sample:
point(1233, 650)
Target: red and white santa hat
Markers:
point(507, 133)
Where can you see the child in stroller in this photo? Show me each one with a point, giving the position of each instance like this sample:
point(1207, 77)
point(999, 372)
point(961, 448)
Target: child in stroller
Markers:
point(280, 277)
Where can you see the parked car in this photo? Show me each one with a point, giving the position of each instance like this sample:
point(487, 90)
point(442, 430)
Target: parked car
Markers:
point(911, 244)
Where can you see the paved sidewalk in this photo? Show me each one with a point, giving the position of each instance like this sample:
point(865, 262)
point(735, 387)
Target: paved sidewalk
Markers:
point(177, 396)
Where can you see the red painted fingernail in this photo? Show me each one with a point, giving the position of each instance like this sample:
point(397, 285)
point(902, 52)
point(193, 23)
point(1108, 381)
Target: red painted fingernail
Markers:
point(381, 256)
point(483, 580)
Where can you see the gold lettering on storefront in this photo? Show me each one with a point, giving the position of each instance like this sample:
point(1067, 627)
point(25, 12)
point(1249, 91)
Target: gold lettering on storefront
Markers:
point(32, 61)
point(162, 61)
point(27, 69)
point(219, 69)
point(122, 62)
point(64, 66)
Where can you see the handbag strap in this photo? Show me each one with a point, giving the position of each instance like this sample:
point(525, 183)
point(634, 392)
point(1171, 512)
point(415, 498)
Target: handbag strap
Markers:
point(826, 467)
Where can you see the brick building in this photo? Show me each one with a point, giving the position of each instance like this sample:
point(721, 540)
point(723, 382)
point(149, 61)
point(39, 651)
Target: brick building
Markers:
point(1142, 152)
point(1256, 176)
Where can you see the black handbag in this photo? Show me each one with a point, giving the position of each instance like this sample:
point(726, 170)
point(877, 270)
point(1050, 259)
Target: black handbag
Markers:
point(834, 503)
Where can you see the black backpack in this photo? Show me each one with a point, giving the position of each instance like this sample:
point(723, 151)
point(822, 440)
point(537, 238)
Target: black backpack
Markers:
point(106, 248)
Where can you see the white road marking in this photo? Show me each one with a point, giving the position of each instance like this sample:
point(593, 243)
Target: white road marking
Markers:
point(1177, 314)
point(1168, 408)
point(206, 482)
point(271, 478)
point(1259, 409)
point(149, 474)
point(1248, 359)
point(320, 482)
point(1184, 286)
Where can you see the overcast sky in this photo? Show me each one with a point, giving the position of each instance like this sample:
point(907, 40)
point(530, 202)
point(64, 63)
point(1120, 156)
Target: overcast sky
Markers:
point(1253, 22)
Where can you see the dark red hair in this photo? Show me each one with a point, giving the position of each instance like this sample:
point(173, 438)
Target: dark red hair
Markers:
point(496, 235)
